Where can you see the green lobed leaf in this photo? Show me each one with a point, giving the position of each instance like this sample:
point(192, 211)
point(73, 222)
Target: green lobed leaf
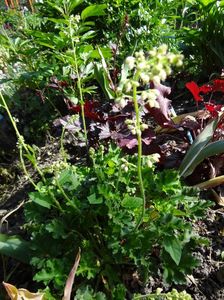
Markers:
point(95, 200)
point(174, 248)
point(41, 199)
point(132, 202)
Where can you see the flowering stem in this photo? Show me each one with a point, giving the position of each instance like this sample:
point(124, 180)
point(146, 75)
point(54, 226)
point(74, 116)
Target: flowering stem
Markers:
point(21, 143)
point(82, 103)
point(138, 132)
point(79, 84)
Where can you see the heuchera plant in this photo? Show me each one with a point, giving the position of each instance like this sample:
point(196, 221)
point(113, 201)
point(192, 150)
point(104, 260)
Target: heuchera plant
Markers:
point(118, 121)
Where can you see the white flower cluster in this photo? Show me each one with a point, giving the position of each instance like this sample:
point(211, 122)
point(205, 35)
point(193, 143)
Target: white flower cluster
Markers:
point(124, 165)
point(132, 126)
point(142, 69)
point(154, 66)
point(150, 97)
point(152, 159)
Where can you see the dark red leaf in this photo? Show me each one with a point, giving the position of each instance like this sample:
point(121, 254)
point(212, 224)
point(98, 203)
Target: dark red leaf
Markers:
point(130, 141)
point(89, 110)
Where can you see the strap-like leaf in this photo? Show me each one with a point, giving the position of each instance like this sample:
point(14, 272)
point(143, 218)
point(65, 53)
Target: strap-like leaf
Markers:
point(212, 149)
point(200, 142)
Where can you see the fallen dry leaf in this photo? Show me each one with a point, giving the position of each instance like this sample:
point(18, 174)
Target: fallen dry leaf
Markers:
point(21, 294)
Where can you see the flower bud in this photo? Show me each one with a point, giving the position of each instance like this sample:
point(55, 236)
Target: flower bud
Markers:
point(130, 62)
point(156, 79)
point(128, 87)
point(145, 78)
point(163, 49)
point(144, 126)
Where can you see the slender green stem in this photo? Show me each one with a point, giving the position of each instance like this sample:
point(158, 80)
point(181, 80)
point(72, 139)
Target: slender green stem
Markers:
point(63, 153)
point(20, 138)
point(58, 205)
point(22, 144)
point(64, 194)
point(82, 103)
point(25, 170)
point(139, 165)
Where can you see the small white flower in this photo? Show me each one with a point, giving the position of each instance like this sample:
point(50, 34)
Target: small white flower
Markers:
point(128, 87)
point(179, 63)
point(130, 62)
point(163, 49)
point(168, 70)
point(149, 163)
point(162, 75)
point(159, 291)
point(156, 79)
point(135, 83)
point(128, 122)
point(122, 103)
point(144, 126)
point(156, 157)
point(171, 57)
point(124, 167)
point(145, 78)
point(153, 52)
point(133, 131)
point(141, 65)
point(153, 103)
point(77, 18)
point(140, 55)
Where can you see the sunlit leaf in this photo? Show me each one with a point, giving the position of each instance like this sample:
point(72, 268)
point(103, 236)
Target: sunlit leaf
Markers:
point(40, 199)
point(93, 10)
point(132, 202)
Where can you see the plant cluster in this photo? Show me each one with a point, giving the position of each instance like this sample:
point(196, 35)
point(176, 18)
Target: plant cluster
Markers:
point(97, 209)
point(121, 210)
